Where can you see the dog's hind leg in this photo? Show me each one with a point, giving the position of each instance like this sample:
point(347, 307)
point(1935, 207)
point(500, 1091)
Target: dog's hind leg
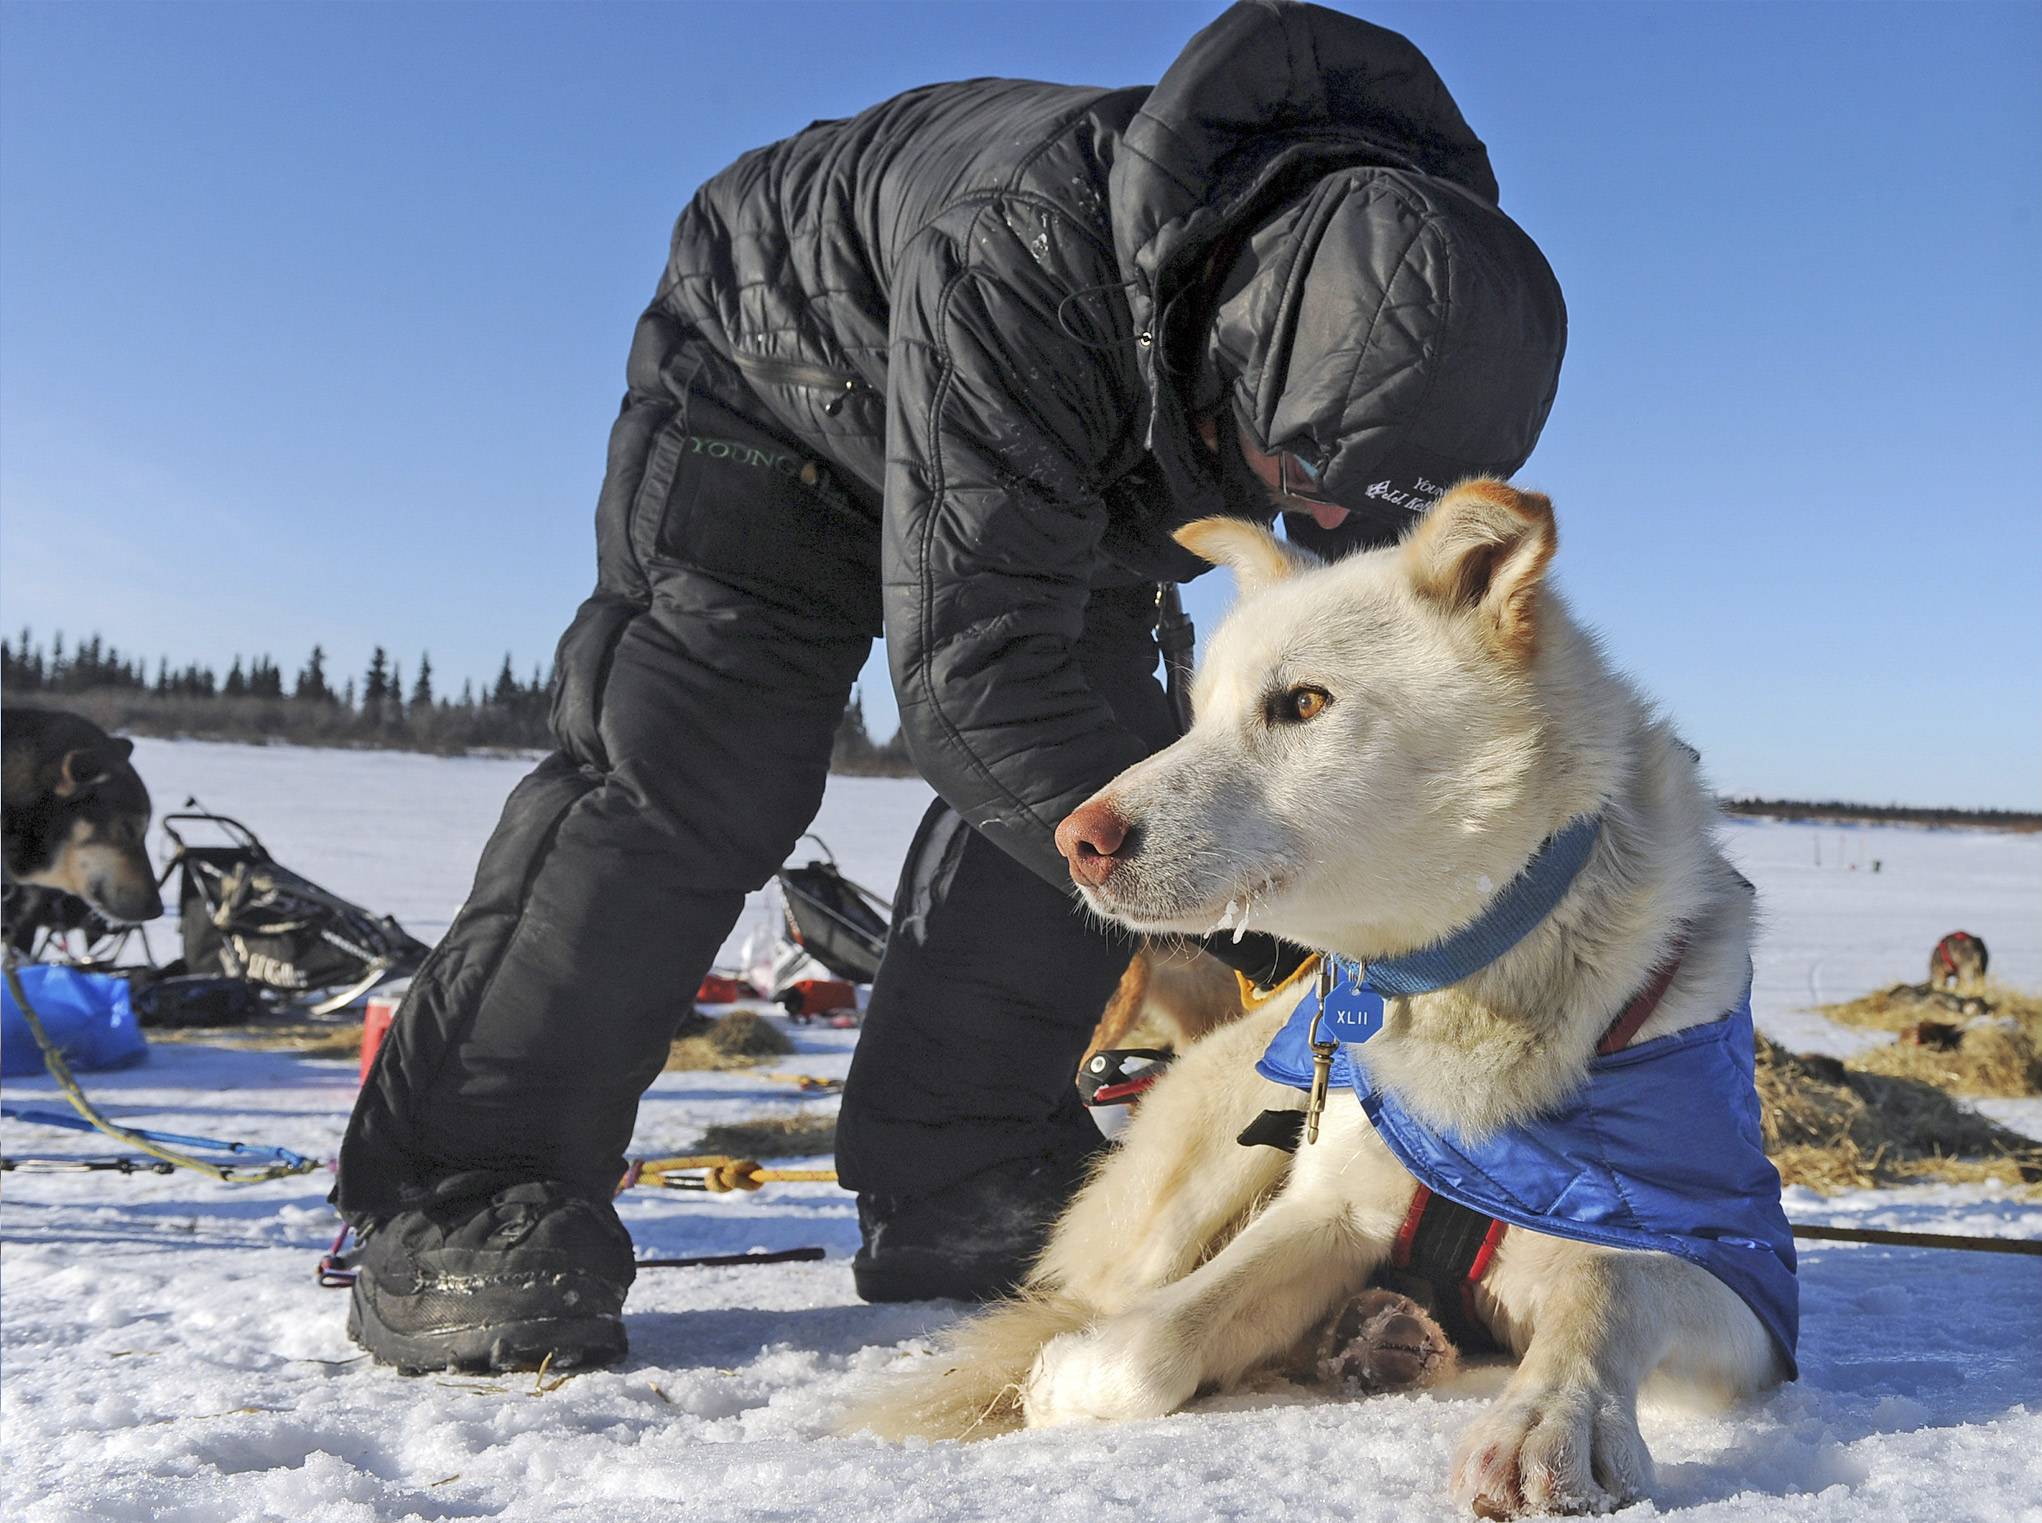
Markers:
point(1248, 1305)
point(1593, 1323)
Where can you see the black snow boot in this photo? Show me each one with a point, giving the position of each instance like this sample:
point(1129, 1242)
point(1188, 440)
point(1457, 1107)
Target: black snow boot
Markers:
point(494, 1284)
point(972, 1242)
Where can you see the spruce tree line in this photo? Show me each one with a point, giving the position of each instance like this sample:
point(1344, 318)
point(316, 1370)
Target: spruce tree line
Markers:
point(855, 750)
point(256, 701)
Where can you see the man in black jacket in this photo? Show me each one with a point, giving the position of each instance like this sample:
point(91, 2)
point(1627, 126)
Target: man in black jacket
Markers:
point(952, 369)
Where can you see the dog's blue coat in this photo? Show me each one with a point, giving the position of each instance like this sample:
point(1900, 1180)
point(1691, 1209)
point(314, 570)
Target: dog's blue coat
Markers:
point(1659, 1149)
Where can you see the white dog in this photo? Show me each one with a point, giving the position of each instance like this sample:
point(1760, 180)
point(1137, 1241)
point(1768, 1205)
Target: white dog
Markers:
point(1403, 750)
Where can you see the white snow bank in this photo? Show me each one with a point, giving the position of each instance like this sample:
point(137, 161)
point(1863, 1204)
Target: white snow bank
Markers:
point(165, 1354)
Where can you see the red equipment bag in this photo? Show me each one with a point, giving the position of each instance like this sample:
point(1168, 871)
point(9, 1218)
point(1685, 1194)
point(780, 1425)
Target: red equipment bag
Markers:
point(721, 989)
point(816, 996)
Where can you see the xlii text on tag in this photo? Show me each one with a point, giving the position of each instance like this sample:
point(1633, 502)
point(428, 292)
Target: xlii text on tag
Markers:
point(1351, 1014)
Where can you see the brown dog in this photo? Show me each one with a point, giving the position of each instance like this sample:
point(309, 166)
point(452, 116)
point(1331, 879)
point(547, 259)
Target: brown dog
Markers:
point(74, 813)
point(1958, 962)
point(1171, 987)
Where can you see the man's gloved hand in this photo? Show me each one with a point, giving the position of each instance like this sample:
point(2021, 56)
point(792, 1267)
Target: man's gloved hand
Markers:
point(1261, 959)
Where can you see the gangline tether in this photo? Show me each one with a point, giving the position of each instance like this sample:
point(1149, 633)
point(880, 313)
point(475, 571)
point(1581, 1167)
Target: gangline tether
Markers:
point(164, 1146)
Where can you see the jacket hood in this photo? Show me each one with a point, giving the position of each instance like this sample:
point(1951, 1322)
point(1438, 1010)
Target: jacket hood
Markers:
point(1393, 332)
point(1243, 132)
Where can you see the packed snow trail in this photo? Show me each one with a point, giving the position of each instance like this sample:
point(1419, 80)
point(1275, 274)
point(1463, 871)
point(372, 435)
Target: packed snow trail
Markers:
point(165, 1353)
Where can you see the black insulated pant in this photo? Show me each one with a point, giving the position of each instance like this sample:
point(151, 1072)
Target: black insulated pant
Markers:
point(700, 689)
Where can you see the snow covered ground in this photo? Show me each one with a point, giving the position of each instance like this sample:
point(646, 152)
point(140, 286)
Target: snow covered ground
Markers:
point(166, 1355)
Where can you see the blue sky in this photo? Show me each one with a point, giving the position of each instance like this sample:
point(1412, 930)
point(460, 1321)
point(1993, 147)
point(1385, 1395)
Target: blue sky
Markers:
point(313, 319)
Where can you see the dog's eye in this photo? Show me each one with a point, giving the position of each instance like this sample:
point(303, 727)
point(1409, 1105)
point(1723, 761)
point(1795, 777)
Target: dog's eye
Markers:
point(1298, 704)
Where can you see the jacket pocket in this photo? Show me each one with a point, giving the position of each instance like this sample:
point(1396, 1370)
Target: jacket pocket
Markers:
point(832, 388)
point(827, 404)
point(760, 519)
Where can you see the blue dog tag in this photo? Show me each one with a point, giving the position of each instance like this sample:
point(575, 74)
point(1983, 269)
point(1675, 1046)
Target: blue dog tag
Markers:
point(1353, 1011)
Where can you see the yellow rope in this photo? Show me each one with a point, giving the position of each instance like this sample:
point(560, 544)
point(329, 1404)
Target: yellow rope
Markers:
point(808, 1084)
point(53, 1057)
point(1254, 996)
point(722, 1173)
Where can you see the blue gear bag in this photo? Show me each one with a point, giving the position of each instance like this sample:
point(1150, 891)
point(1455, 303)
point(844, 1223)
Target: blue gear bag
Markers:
point(87, 1015)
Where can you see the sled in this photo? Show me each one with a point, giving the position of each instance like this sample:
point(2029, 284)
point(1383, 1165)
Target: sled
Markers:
point(244, 915)
point(834, 921)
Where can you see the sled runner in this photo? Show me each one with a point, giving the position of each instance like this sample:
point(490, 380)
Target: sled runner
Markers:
point(244, 915)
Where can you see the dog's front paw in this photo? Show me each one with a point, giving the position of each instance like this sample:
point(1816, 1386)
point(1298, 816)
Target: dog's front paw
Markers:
point(1112, 1372)
point(1568, 1449)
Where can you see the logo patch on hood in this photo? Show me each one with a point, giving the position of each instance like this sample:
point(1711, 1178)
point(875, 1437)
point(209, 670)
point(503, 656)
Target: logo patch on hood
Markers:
point(1417, 496)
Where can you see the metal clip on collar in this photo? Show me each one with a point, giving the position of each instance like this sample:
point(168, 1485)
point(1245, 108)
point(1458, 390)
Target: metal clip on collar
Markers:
point(1322, 1054)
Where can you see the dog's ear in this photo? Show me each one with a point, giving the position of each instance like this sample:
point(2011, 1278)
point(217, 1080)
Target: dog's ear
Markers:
point(1257, 557)
point(78, 771)
point(1484, 549)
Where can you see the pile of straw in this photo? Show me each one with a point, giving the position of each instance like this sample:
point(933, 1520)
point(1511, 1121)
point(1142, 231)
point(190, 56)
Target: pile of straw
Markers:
point(742, 1039)
point(796, 1136)
point(1986, 1041)
point(1832, 1127)
point(303, 1039)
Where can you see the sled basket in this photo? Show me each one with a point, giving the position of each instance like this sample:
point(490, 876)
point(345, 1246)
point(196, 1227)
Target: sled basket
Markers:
point(839, 924)
point(245, 915)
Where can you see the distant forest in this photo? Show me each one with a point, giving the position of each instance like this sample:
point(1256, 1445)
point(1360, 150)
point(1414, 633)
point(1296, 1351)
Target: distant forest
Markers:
point(1835, 811)
point(255, 702)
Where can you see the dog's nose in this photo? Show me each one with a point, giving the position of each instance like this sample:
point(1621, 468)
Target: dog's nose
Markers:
point(127, 903)
point(1089, 837)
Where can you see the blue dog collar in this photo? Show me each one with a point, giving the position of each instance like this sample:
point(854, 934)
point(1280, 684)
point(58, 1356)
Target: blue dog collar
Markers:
point(1505, 921)
point(1349, 1000)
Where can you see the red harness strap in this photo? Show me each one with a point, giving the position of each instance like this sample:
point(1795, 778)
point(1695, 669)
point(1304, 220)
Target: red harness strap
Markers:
point(1443, 1249)
point(1643, 1003)
point(1440, 1254)
point(1944, 954)
point(1400, 1251)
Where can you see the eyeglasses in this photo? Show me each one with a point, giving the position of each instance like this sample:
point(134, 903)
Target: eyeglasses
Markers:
point(1285, 474)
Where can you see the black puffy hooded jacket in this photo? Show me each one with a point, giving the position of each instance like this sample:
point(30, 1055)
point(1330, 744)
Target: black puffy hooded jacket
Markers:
point(998, 307)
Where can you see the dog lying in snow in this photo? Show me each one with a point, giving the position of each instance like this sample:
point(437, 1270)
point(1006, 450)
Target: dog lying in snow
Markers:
point(1416, 760)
